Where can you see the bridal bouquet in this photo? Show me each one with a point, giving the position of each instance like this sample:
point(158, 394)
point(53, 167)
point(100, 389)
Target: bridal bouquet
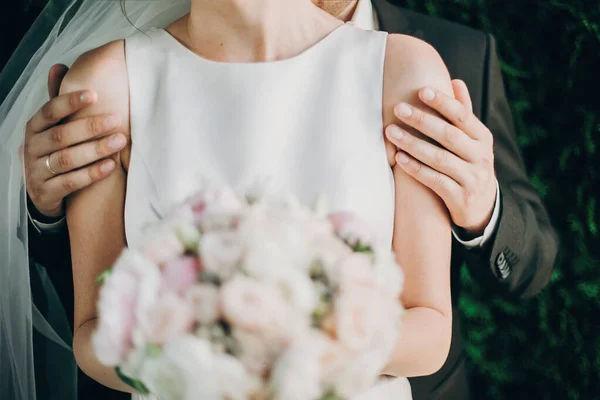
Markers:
point(250, 297)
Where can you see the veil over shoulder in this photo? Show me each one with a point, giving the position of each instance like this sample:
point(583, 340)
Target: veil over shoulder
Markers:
point(64, 30)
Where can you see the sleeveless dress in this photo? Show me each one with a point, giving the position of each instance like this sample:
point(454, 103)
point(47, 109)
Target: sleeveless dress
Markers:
point(311, 125)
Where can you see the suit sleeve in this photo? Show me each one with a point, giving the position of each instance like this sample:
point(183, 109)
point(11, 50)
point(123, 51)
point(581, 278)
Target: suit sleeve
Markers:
point(51, 250)
point(519, 259)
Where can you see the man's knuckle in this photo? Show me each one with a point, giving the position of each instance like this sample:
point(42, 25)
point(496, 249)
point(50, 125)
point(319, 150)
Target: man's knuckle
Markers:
point(449, 134)
point(69, 184)
point(48, 111)
point(438, 180)
point(58, 135)
point(64, 160)
point(441, 157)
point(419, 118)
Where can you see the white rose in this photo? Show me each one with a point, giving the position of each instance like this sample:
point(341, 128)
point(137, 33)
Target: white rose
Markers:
point(169, 318)
point(220, 252)
point(353, 376)
point(357, 270)
point(184, 371)
point(388, 274)
point(255, 352)
point(364, 318)
point(297, 374)
point(128, 292)
point(253, 305)
point(204, 300)
point(234, 381)
point(297, 289)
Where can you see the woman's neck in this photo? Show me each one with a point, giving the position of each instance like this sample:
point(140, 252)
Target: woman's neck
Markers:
point(252, 30)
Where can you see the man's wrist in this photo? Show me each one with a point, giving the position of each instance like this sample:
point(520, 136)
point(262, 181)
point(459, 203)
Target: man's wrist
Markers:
point(41, 222)
point(473, 242)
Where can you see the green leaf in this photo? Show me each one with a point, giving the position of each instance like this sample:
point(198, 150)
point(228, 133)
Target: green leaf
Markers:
point(137, 385)
point(104, 276)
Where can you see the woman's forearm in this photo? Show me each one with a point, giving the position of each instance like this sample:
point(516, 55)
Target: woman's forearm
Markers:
point(423, 344)
point(88, 362)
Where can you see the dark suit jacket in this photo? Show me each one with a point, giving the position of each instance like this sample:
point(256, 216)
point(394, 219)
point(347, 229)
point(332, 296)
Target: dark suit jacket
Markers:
point(518, 261)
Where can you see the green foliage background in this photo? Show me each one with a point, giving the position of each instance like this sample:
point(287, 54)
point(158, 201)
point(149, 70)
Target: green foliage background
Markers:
point(549, 347)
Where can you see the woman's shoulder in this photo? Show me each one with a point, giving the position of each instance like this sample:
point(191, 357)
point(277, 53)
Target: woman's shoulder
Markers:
point(104, 71)
point(410, 65)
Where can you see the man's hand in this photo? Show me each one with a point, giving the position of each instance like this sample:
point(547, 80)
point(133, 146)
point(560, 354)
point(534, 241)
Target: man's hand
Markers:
point(63, 158)
point(461, 169)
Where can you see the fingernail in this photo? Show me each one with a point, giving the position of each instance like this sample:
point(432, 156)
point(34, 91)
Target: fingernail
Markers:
point(404, 110)
point(107, 167)
point(111, 122)
point(402, 158)
point(86, 97)
point(117, 141)
point(428, 94)
point(396, 133)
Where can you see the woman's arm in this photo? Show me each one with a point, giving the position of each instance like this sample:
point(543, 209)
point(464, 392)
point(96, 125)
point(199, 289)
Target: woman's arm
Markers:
point(96, 214)
point(422, 231)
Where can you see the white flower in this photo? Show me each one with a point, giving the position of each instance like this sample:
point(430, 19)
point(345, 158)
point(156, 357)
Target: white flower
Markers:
point(129, 291)
point(356, 270)
point(252, 305)
point(352, 229)
point(352, 376)
point(215, 207)
point(169, 318)
point(185, 370)
point(220, 251)
point(255, 352)
point(365, 318)
point(297, 289)
point(162, 244)
point(204, 300)
point(234, 382)
point(388, 274)
point(297, 373)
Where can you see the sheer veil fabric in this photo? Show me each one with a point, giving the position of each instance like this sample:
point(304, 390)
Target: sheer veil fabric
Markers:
point(64, 30)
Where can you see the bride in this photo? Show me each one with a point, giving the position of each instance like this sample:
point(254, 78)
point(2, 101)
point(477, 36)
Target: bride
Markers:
point(236, 90)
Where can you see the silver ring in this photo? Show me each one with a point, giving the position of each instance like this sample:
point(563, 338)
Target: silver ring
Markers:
point(49, 167)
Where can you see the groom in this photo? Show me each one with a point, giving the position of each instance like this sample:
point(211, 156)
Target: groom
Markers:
point(501, 228)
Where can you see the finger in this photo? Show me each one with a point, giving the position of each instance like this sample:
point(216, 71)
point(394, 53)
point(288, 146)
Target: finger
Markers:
point(440, 184)
point(461, 93)
point(452, 110)
point(63, 185)
point(55, 77)
point(72, 133)
point(72, 158)
point(436, 158)
point(58, 108)
point(436, 128)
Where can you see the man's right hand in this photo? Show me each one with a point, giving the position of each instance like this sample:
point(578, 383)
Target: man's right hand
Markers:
point(62, 158)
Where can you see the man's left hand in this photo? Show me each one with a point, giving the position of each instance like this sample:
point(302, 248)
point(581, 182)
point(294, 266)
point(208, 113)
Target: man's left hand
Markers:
point(461, 168)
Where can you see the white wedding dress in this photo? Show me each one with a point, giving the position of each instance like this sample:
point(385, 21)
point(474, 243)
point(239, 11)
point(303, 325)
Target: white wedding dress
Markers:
point(311, 125)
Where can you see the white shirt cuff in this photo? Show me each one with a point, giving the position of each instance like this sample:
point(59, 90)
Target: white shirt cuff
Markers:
point(489, 229)
point(46, 228)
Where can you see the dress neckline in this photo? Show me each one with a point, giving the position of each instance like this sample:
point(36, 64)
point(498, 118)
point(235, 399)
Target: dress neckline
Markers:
point(180, 47)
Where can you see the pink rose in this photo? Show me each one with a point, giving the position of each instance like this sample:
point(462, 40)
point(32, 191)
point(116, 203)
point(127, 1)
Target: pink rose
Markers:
point(365, 318)
point(204, 301)
point(169, 318)
point(252, 305)
point(214, 208)
point(351, 229)
point(134, 279)
point(357, 270)
point(162, 245)
point(180, 273)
